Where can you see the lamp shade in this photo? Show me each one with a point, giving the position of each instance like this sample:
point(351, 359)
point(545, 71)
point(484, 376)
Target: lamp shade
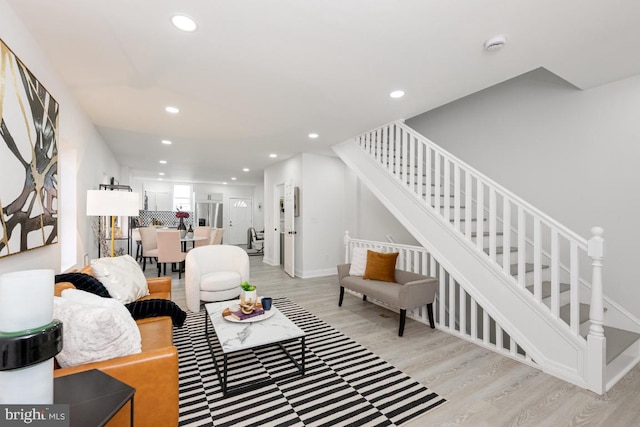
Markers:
point(112, 203)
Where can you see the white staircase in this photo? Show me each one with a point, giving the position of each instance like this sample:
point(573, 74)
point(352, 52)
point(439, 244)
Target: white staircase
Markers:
point(511, 278)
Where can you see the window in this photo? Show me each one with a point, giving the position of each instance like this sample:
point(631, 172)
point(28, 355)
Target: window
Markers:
point(182, 197)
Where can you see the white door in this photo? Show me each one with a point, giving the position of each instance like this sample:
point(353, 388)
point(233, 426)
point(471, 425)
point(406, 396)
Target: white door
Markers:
point(239, 220)
point(289, 229)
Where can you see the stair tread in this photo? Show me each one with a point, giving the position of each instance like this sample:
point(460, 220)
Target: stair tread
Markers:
point(500, 250)
point(485, 234)
point(528, 268)
point(546, 288)
point(565, 313)
point(618, 340)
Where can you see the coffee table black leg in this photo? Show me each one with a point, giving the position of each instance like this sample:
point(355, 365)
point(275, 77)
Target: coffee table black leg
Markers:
point(131, 413)
point(224, 375)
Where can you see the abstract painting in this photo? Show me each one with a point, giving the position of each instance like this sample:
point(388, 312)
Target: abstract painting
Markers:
point(28, 159)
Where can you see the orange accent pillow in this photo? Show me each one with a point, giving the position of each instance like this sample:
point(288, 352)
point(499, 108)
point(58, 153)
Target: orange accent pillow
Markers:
point(61, 286)
point(381, 266)
point(87, 269)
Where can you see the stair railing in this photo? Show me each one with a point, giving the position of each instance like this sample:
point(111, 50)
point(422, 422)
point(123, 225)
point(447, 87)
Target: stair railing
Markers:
point(466, 199)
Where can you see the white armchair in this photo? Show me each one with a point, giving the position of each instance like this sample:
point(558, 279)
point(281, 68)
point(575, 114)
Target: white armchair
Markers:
point(214, 273)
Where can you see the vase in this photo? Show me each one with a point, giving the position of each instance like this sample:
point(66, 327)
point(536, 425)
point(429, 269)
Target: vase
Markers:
point(182, 228)
point(249, 296)
point(190, 232)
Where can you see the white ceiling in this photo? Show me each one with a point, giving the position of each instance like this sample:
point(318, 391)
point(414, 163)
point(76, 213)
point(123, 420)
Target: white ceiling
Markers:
point(259, 75)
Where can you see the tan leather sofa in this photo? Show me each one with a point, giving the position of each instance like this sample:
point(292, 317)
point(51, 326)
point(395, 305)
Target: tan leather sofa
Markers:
point(153, 372)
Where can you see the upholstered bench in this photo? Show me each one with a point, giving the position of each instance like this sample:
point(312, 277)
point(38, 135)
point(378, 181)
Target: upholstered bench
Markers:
point(409, 290)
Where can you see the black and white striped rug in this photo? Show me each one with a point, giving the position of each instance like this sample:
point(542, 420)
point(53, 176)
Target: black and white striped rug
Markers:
point(344, 385)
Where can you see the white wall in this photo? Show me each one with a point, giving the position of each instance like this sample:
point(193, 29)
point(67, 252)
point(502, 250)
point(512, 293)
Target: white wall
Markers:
point(367, 218)
point(322, 213)
point(76, 133)
point(573, 154)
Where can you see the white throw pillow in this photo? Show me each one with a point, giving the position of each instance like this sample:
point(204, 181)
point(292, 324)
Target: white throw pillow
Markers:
point(94, 328)
point(122, 276)
point(358, 261)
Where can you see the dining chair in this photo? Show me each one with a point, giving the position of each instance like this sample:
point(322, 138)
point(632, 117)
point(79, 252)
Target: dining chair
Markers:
point(148, 237)
point(202, 231)
point(135, 236)
point(216, 236)
point(170, 250)
point(257, 242)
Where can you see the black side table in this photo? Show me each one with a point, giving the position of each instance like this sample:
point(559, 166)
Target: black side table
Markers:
point(93, 397)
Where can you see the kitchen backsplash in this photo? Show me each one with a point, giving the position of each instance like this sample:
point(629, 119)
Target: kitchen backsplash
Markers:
point(166, 218)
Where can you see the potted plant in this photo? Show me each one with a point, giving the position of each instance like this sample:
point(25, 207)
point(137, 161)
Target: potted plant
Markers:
point(249, 294)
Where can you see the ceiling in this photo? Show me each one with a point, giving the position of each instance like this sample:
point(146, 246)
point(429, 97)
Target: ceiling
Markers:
point(258, 76)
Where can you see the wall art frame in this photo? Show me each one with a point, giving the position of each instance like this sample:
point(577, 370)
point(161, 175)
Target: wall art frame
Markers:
point(29, 187)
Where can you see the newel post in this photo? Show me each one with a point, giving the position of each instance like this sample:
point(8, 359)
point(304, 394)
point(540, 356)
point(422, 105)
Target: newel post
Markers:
point(346, 247)
point(596, 341)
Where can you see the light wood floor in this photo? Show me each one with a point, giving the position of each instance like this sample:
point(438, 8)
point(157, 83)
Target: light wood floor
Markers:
point(482, 387)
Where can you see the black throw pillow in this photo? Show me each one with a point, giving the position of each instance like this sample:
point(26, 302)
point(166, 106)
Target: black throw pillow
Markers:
point(157, 307)
point(84, 282)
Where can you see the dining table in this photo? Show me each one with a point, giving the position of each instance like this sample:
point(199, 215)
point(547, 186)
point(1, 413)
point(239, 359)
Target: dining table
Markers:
point(193, 239)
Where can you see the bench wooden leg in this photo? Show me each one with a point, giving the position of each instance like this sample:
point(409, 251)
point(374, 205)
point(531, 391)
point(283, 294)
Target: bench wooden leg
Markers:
point(403, 317)
point(430, 313)
point(364, 297)
point(341, 296)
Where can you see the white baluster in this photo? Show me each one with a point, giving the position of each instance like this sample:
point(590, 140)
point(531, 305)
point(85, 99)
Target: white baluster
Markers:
point(485, 327)
point(468, 203)
point(346, 247)
point(441, 277)
point(537, 259)
point(420, 171)
point(405, 157)
point(480, 215)
point(555, 274)
point(522, 244)
point(446, 186)
point(398, 159)
point(436, 181)
point(463, 311)
point(456, 198)
point(596, 341)
point(385, 147)
point(428, 173)
point(492, 224)
point(474, 319)
point(378, 144)
point(412, 162)
point(452, 303)
point(506, 235)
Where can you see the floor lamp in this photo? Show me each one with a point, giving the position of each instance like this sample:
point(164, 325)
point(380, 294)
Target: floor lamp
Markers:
point(113, 204)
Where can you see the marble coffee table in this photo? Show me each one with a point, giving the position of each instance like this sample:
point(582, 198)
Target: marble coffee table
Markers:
point(235, 337)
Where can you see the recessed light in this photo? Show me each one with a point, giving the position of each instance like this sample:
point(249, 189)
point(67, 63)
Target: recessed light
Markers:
point(161, 173)
point(166, 142)
point(172, 110)
point(184, 23)
point(245, 170)
point(224, 182)
point(313, 135)
point(159, 179)
point(273, 156)
point(233, 178)
point(163, 162)
point(397, 94)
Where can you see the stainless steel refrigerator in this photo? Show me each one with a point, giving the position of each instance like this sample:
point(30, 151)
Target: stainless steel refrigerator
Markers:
point(209, 214)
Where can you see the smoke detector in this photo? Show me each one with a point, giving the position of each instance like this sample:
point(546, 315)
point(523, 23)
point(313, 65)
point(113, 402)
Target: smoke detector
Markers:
point(495, 43)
